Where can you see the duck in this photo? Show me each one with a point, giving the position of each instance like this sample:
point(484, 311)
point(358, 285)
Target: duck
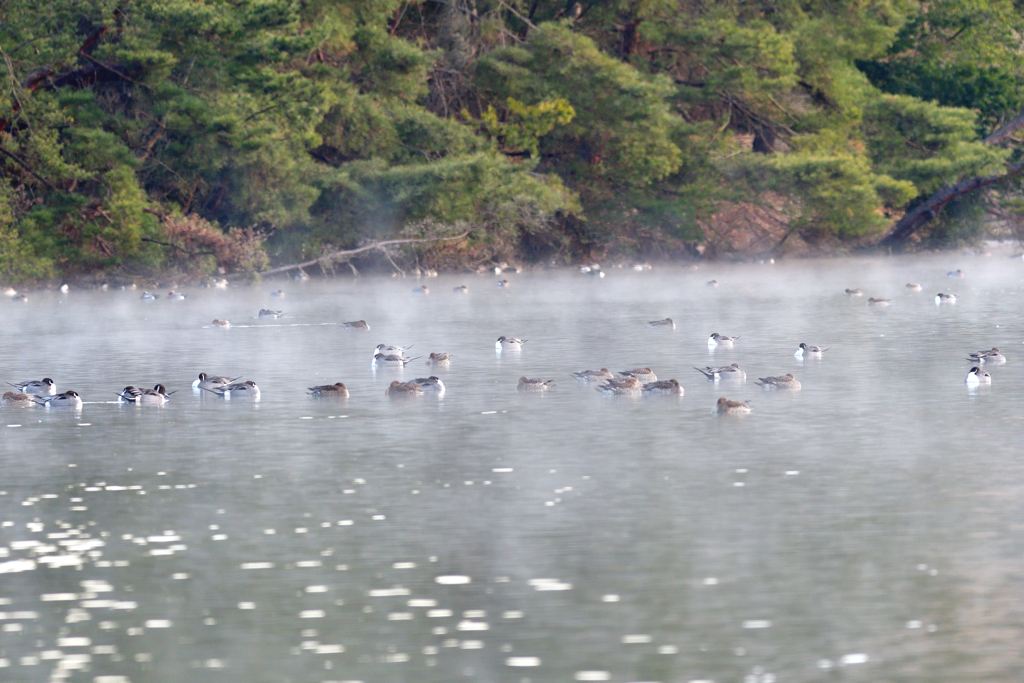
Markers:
point(391, 350)
point(992, 356)
point(503, 283)
point(277, 294)
point(509, 344)
point(644, 375)
point(941, 298)
point(712, 283)
point(157, 396)
point(422, 289)
point(175, 296)
point(403, 389)
point(724, 372)
point(727, 407)
point(461, 289)
point(64, 289)
point(17, 399)
point(878, 302)
point(432, 384)
point(390, 361)
point(810, 350)
point(221, 323)
point(787, 381)
point(721, 340)
point(667, 322)
point(356, 325)
point(622, 386)
point(23, 298)
point(440, 359)
point(267, 313)
point(667, 386)
point(955, 273)
point(977, 376)
point(854, 292)
point(148, 296)
point(241, 391)
point(220, 283)
point(526, 384)
point(40, 387)
point(211, 382)
point(336, 390)
point(10, 292)
point(641, 267)
point(913, 287)
point(69, 399)
point(593, 375)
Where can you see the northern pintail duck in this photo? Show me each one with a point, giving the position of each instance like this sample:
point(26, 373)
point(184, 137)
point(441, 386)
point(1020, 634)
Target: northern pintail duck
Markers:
point(64, 289)
point(220, 283)
point(854, 292)
point(461, 289)
point(157, 396)
point(727, 407)
point(69, 399)
point(914, 288)
point(12, 399)
point(787, 381)
point(644, 375)
point(356, 325)
point(666, 386)
point(148, 296)
point(391, 350)
point(23, 298)
point(593, 375)
point(212, 382)
point(712, 283)
point(977, 376)
point(721, 340)
point(526, 384)
point(336, 390)
point(430, 385)
point(267, 313)
point(241, 391)
point(509, 344)
point(878, 302)
point(622, 386)
point(422, 289)
point(381, 360)
point(277, 293)
point(442, 359)
point(955, 273)
point(10, 292)
point(667, 322)
point(809, 350)
point(221, 323)
point(503, 283)
point(724, 372)
point(992, 356)
point(39, 387)
point(941, 298)
point(175, 296)
point(403, 389)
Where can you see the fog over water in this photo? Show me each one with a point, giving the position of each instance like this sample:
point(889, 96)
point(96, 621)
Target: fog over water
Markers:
point(868, 527)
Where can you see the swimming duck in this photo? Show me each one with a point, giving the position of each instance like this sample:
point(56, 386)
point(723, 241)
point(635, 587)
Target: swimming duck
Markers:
point(22, 400)
point(356, 325)
point(278, 293)
point(854, 292)
point(977, 376)
point(809, 350)
point(242, 391)
point(727, 407)
point(992, 356)
point(220, 283)
point(403, 389)
point(721, 340)
point(64, 289)
point(175, 296)
point(391, 350)
point(913, 288)
point(69, 399)
point(503, 283)
point(461, 289)
point(267, 313)
point(667, 386)
point(221, 323)
point(878, 302)
point(955, 273)
point(432, 384)
point(622, 386)
point(509, 344)
point(211, 382)
point(441, 359)
point(422, 289)
point(667, 322)
point(526, 384)
point(712, 283)
point(10, 292)
point(336, 390)
point(644, 375)
point(157, 396)
point(23, 298)
point(724, 372)
point(381, 360)
point(787, 381)
point(147, 296)
point(41, 387)
point(593, 375)
point(941, 298)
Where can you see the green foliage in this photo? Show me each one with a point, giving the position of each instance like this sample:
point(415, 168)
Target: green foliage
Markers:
point(523, 125)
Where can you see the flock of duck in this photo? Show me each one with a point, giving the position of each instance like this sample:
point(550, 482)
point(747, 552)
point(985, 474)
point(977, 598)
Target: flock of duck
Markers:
point(635, 382)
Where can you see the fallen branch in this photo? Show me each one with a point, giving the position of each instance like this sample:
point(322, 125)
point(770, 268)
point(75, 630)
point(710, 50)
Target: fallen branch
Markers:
point(336, 255)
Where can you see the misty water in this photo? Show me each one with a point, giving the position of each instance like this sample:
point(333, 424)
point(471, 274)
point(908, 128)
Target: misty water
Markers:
point(868, 527)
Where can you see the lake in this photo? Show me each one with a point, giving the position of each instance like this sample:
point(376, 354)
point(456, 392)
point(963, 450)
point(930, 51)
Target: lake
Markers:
point(868, 527)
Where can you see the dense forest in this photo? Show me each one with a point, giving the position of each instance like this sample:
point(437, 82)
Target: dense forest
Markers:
point(142, 137)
